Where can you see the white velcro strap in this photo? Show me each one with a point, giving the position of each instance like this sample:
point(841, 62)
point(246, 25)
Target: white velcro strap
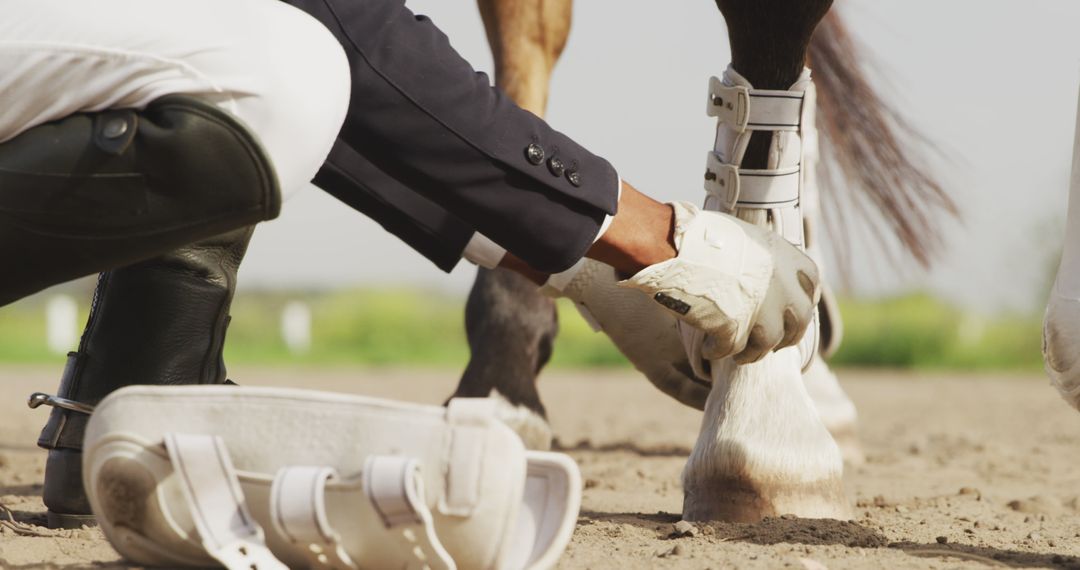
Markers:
point(469, 419)
point(744, 109)
point(789, 223)
point(767, 189)
point(729, 187)
point(396, 491)
point(212, 491)
point(298, 511)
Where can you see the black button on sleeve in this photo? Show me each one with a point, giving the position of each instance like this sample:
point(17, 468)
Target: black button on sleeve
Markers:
point(535, 153)
point(556, 166)
point(574, 177)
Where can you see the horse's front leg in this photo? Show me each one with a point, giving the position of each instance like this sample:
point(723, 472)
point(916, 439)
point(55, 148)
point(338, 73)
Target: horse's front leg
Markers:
point(510, 325)
point(763, 449)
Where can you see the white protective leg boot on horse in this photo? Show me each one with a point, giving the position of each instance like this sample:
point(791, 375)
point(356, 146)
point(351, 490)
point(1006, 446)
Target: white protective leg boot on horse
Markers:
point(1061, 329)
point(271, 478)
point(763, 448)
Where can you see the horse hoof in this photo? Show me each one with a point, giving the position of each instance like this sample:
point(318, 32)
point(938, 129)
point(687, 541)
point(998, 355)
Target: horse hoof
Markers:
point(751, 501)
point(532, 427)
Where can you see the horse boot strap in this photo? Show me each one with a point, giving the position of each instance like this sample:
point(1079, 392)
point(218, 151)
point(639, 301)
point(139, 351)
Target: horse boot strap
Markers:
point(161, 322)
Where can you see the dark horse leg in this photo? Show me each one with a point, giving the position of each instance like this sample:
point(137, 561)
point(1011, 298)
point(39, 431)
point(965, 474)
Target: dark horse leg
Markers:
point(769, 43)
point(510, 325)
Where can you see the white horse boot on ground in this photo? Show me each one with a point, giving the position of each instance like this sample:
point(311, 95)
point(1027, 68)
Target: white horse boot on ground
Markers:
point(268, 478)
point(1061, 329)
point(763, 449)
point(640, 328)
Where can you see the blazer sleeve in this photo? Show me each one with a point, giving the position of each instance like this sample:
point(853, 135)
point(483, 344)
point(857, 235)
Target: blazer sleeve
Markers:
point(423, 115)
point(423, 225)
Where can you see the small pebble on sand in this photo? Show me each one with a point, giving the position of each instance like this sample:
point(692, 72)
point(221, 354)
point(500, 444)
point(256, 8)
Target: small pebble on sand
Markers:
point(683, 528)
point(942, 539)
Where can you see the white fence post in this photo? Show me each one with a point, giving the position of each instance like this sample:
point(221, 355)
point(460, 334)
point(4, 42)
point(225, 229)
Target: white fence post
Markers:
point(61, 324)
point(296, 327)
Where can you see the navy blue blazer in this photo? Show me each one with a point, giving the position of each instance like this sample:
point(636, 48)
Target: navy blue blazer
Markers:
point(432, 151)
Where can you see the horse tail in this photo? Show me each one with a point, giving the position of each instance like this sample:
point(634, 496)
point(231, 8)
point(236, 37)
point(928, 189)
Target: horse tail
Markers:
point(873, 161)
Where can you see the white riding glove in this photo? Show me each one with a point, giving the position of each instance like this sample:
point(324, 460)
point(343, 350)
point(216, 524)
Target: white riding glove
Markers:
point(645, 332)
point(749, 290)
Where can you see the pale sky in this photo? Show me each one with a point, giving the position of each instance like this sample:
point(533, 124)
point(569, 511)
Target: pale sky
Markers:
point(993, 82)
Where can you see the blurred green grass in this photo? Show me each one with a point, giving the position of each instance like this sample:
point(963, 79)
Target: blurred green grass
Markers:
point(409, 327)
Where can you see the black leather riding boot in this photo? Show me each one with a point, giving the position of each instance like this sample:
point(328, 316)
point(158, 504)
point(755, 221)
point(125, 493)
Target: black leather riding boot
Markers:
point(161, 321)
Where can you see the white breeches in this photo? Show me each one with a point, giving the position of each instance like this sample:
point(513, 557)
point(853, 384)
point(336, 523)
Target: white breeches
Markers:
point(269, 64)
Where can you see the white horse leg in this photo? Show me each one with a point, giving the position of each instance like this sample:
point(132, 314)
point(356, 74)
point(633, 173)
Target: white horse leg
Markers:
point(836, 409)
point(763, 449)
point(1061, 329)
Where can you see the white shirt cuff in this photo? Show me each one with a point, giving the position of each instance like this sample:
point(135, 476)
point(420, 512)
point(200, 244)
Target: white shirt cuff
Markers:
point(483, 252)
point(487, 254)
point(607, 219)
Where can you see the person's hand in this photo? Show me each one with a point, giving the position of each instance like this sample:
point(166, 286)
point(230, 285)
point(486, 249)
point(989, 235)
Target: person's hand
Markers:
point(745, 287)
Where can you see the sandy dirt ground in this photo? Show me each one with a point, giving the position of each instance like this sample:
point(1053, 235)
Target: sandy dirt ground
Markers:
point(961, 472)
